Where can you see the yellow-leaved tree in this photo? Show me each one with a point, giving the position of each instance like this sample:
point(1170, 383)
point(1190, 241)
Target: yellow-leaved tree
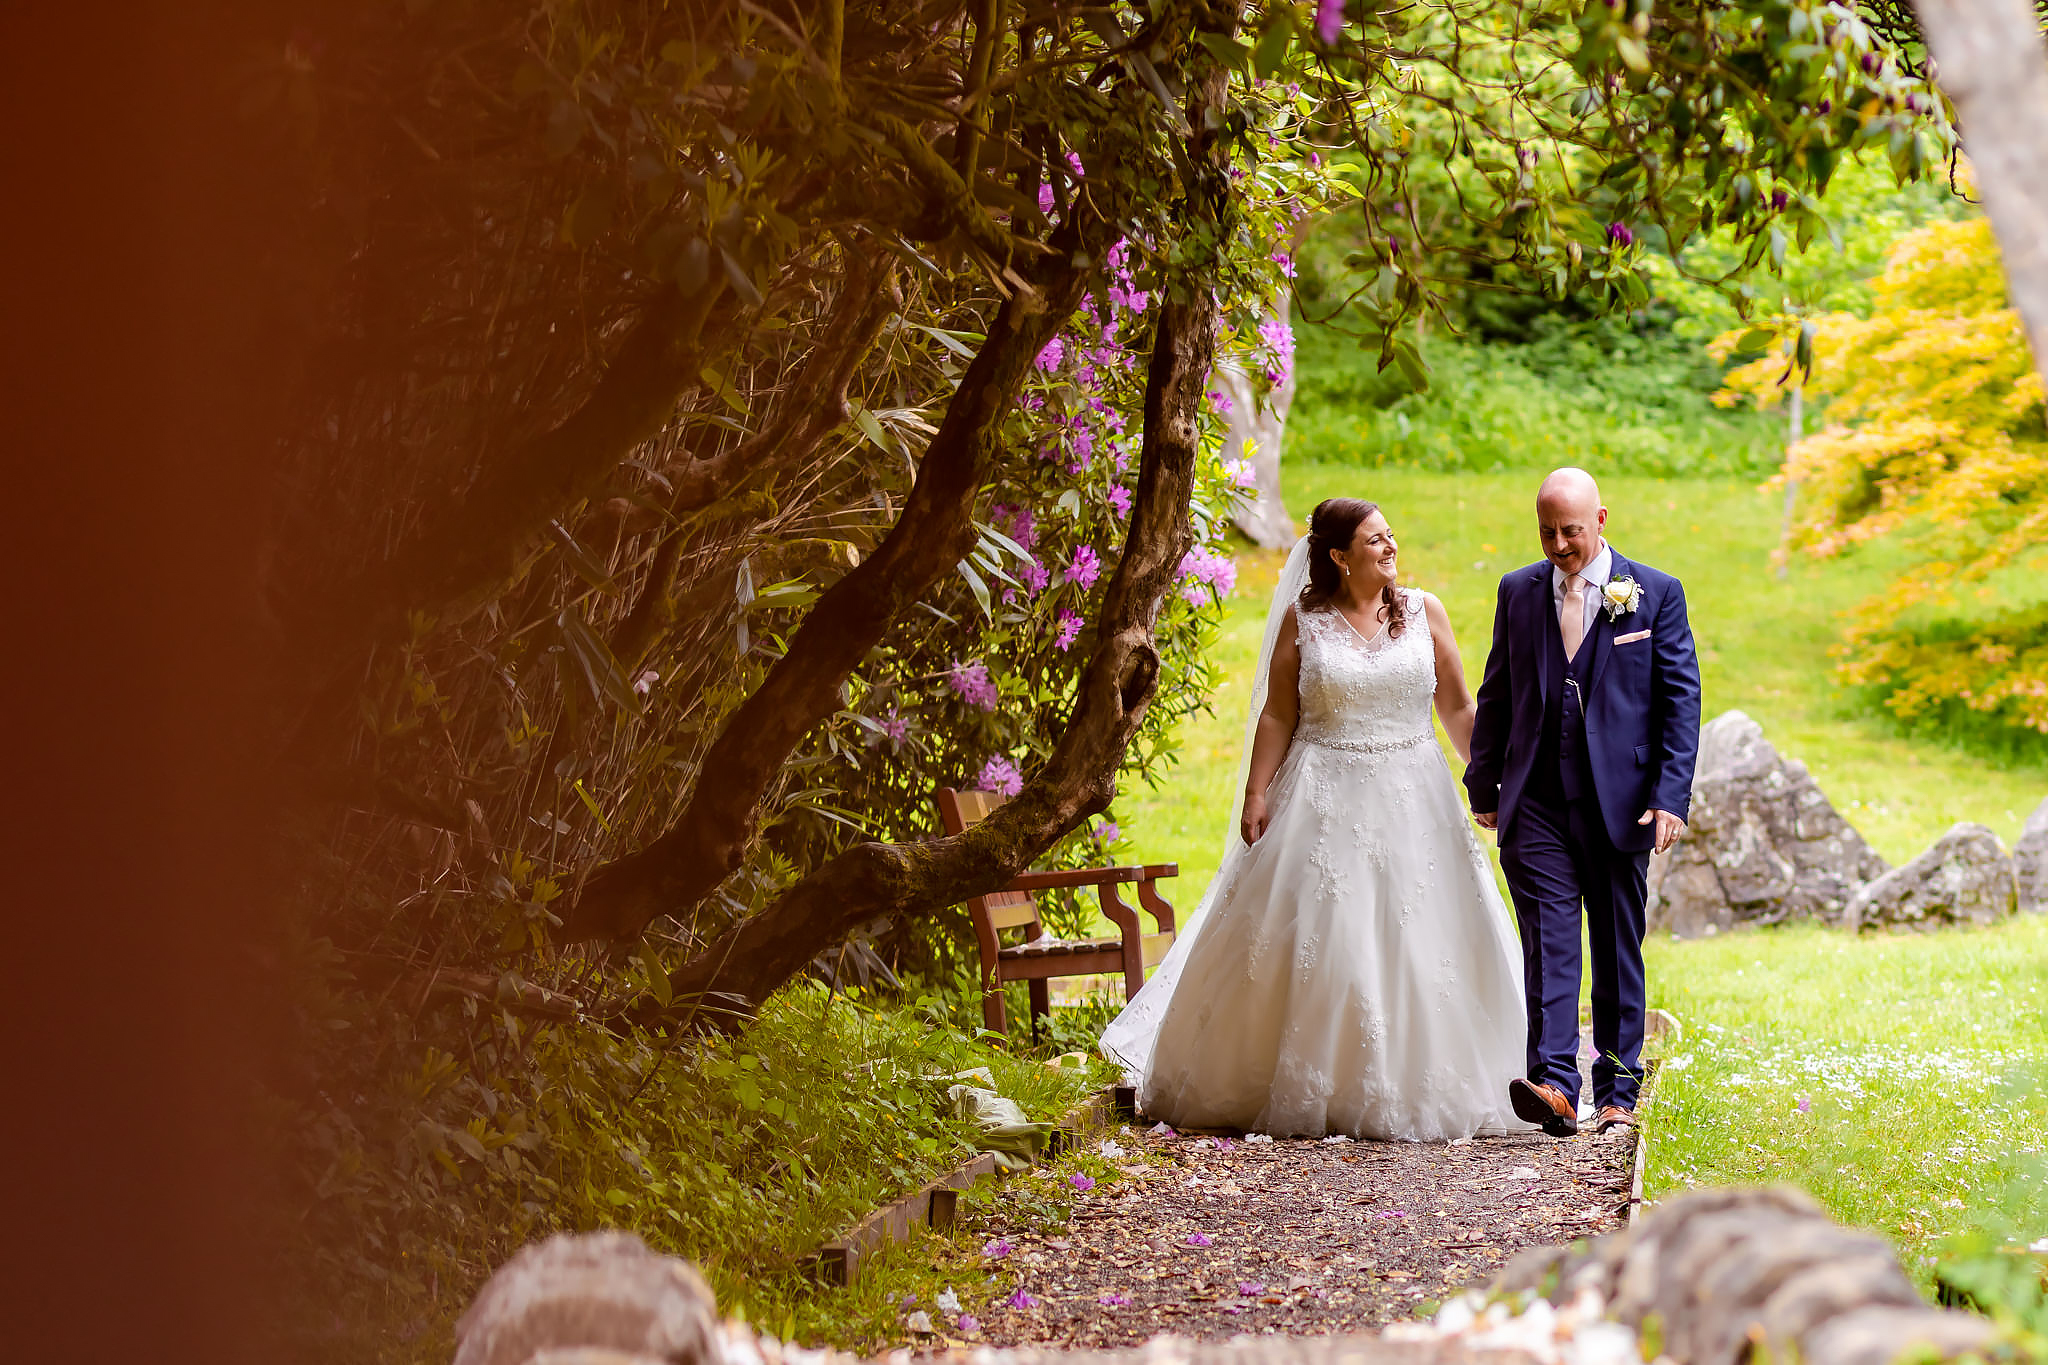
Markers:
point(1934, 432)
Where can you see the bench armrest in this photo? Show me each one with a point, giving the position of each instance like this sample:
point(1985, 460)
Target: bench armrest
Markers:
point(1092, 876)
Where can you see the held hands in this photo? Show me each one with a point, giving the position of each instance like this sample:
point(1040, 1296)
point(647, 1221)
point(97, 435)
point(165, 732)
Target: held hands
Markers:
point(1253, 822)
point(1669, 827)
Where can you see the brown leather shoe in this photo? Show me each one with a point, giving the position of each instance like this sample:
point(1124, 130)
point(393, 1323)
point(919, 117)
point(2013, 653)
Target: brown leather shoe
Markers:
point(1614, 1116)
point(1545, 1106)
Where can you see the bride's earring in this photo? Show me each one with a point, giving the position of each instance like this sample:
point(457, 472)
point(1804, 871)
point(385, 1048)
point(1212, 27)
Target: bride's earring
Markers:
point(1347, 571)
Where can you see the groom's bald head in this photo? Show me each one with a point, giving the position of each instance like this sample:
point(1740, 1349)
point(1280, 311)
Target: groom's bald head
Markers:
point(1570, 519)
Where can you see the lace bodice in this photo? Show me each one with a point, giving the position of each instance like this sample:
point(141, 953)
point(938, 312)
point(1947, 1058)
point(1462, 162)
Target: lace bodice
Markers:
point(1360, 695)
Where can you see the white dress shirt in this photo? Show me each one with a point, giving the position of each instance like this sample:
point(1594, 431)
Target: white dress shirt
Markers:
point(1593, 578)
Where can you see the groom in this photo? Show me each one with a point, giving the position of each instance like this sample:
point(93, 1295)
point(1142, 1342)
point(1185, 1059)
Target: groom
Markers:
point(1582, 758)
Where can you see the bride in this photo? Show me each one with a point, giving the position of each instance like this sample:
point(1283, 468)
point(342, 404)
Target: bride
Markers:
point(1352, 969)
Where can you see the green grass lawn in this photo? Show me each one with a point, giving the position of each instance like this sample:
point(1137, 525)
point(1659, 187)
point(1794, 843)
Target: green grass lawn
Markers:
point(1897, 1078)
point(1764, 649)
point(1905, 1050)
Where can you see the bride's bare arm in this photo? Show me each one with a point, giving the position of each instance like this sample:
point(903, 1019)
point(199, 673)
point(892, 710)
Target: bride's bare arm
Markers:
point(1275, 730)
point(1454, 702)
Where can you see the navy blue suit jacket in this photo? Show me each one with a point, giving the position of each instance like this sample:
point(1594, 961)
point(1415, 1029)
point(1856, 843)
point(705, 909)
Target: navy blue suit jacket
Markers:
point(1642, 702)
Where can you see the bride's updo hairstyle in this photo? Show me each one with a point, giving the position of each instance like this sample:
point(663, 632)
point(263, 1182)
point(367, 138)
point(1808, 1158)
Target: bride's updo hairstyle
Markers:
point(1333, 526)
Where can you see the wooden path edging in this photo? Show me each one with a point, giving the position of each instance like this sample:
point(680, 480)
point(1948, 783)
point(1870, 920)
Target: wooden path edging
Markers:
point(937, 1204)
point(1634, 1210)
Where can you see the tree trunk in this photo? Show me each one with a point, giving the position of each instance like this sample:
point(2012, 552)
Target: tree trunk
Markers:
point(1255, 435)
point(935, 532)
point(740, 969)
point(1993, 66)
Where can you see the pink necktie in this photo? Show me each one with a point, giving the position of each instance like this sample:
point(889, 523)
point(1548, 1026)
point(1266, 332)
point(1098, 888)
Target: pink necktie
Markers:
point(1573, 619)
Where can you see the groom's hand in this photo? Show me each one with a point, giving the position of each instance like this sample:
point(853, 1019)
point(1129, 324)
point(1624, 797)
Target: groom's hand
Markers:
point(1489, 820)
point(1669, 827)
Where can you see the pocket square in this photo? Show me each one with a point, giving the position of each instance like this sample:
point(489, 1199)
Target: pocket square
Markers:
point(1632, 637)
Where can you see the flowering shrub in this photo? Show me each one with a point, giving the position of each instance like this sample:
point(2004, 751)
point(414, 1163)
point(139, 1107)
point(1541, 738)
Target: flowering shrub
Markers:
point(1933, 433)
point(974, 693)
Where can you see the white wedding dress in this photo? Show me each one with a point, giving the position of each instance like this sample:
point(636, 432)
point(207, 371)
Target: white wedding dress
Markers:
point(1355, 970)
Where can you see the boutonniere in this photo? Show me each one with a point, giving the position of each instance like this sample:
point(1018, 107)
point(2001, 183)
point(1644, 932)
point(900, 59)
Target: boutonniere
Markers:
point(1621, 596)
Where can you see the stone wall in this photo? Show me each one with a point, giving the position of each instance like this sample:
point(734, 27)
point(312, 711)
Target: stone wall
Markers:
point(1719, 1277)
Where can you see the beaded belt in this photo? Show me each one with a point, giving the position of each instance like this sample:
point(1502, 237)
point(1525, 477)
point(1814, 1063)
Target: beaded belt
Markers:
point(1369, 746)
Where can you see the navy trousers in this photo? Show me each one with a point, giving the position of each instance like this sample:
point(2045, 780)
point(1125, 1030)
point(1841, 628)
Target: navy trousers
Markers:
point(1557, 857)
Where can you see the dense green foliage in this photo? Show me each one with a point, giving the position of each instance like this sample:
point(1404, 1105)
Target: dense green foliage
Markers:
point(1606, 394)
point(1934, 437)
point(745, 1155)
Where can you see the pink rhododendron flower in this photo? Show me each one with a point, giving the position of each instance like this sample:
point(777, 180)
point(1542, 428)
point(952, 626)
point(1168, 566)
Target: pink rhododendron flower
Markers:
point(1081, 1182)
point(1000, 776)
point(1279, 338)
point(1085, 567)
point(972, 682)
point(1200, 567)
point(1054, 352)
point(1241, 473)
point(1329, 19)
point(1034, 576)
point(1107, 832)
point(1285, 262)
point(1018, 523)
point(1069, 629)
point(1045, 199)
point(1120, 499)
point(1221, 402)
point(895, 727)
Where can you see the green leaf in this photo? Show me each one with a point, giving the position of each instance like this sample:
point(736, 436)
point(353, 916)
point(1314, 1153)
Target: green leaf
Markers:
point(978, 587)
point(950, 340)
point(872, 429)
point(582, 561)
point(1409, 361)
point(587, 218)
point(1226, 49)
point(595, 665)
point(1272, 46)
point(742, 283)
point(590, 803)
point(1756, 339)
point(657, 975)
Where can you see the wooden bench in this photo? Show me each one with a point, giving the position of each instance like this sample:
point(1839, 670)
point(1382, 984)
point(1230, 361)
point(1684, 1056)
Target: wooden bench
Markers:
point(1038, 957)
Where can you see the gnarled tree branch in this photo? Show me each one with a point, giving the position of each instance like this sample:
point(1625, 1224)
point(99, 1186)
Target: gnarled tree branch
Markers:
point(755, 957)
point(934, 533)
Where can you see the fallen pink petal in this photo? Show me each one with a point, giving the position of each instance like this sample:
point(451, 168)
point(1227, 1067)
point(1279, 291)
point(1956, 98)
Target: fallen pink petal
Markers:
point(1250, 1289)
point(1196, 1239)
point(1113, 1300)
point(969, 1323)
point(997, 1249)
point(1081, 1182)
point(1020, 1299)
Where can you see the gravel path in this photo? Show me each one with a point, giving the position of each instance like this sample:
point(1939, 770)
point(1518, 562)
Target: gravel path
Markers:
point(1209, 1238)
